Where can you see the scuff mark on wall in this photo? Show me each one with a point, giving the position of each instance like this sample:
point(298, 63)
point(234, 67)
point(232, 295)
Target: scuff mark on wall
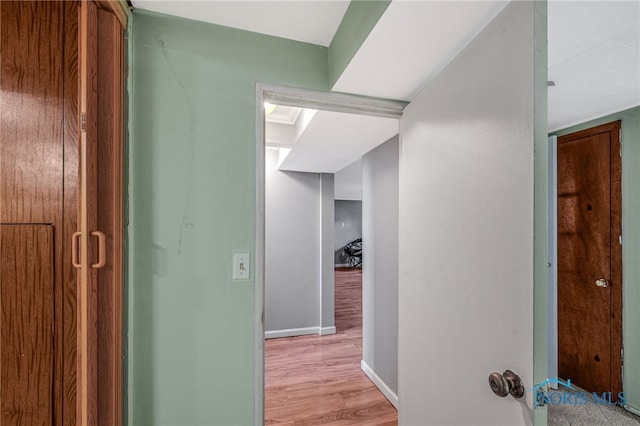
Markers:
point(184, 222)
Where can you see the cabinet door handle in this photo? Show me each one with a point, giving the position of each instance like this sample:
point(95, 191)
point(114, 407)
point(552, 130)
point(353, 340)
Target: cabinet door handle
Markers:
point(101, 250)
point(74, 250)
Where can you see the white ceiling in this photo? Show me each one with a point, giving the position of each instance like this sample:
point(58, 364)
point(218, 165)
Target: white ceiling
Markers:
point(311, 21)
point(283, 115)
point(411, 43)
point(333, 140)
point(437, 30)
point(326, 142)
point(594, 59)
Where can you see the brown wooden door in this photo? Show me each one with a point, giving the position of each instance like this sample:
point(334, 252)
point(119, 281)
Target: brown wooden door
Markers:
point(589, 228)
point(38, 190)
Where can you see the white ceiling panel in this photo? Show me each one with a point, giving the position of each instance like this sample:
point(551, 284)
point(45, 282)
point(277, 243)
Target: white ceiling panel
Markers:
point(313, 21)
point(578, 26)
point(596, 65)
point(282, 114)
point(333, 140)
point(411, 43)
point(629, 39)
point(594, 60)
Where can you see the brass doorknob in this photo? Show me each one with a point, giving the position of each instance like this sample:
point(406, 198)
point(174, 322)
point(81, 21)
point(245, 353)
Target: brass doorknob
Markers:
point(602, 283)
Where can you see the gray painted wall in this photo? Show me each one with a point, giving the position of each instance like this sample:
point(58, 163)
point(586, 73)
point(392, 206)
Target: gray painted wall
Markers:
point(347, 226)
point(326, 252)
point(292, 248)
point(380, 265)
point(299, 230)
point(348, 182)
point(348, 222)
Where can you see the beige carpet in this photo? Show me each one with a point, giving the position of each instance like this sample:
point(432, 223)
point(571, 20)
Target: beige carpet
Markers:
point(589, 414)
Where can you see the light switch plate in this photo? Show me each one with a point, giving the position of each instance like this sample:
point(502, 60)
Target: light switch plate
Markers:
point(241, 266)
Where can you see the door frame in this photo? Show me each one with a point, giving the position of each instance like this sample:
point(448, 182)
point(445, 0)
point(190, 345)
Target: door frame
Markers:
point(615, 164)
point(301, 98)
point(552, 227)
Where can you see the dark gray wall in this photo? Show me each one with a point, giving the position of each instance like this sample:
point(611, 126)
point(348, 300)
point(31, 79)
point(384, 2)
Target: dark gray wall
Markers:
point(348, 226)
point(298, 218)
point(380, 265)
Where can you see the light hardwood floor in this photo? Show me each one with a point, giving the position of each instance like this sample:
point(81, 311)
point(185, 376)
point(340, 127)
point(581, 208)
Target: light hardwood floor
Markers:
point(316, 380)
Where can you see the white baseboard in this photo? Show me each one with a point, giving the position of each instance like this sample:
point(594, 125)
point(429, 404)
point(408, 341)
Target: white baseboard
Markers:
point(386, 390)
point(290, 332)
point(327, 330)
point(632, 410)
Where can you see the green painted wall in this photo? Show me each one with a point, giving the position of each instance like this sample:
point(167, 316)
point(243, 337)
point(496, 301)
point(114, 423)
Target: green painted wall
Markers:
point(191, 206)
point(357, 23)
point(631, 244)
point(540, 215)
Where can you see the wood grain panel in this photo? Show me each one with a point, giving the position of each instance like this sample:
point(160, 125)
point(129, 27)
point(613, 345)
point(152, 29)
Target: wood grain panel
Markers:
point(87, 306)
point(31, 153)
point(110, 214)
point(38, 154)
point(317, 380)
point(66, 361)
point(26, 325)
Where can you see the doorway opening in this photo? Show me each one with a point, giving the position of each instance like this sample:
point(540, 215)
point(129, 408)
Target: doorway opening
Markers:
point(329, 349)
point(586, 282)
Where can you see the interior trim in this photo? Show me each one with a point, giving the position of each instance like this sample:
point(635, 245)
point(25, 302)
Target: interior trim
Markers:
point(119, 8)
point(380, 384)
point(332, 101)
point(290, 332)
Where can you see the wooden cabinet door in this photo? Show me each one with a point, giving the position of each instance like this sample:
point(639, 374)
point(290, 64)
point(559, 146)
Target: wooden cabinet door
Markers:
point(27, 323)
point(61, 157)
point(38, 188)
point(109, 213)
